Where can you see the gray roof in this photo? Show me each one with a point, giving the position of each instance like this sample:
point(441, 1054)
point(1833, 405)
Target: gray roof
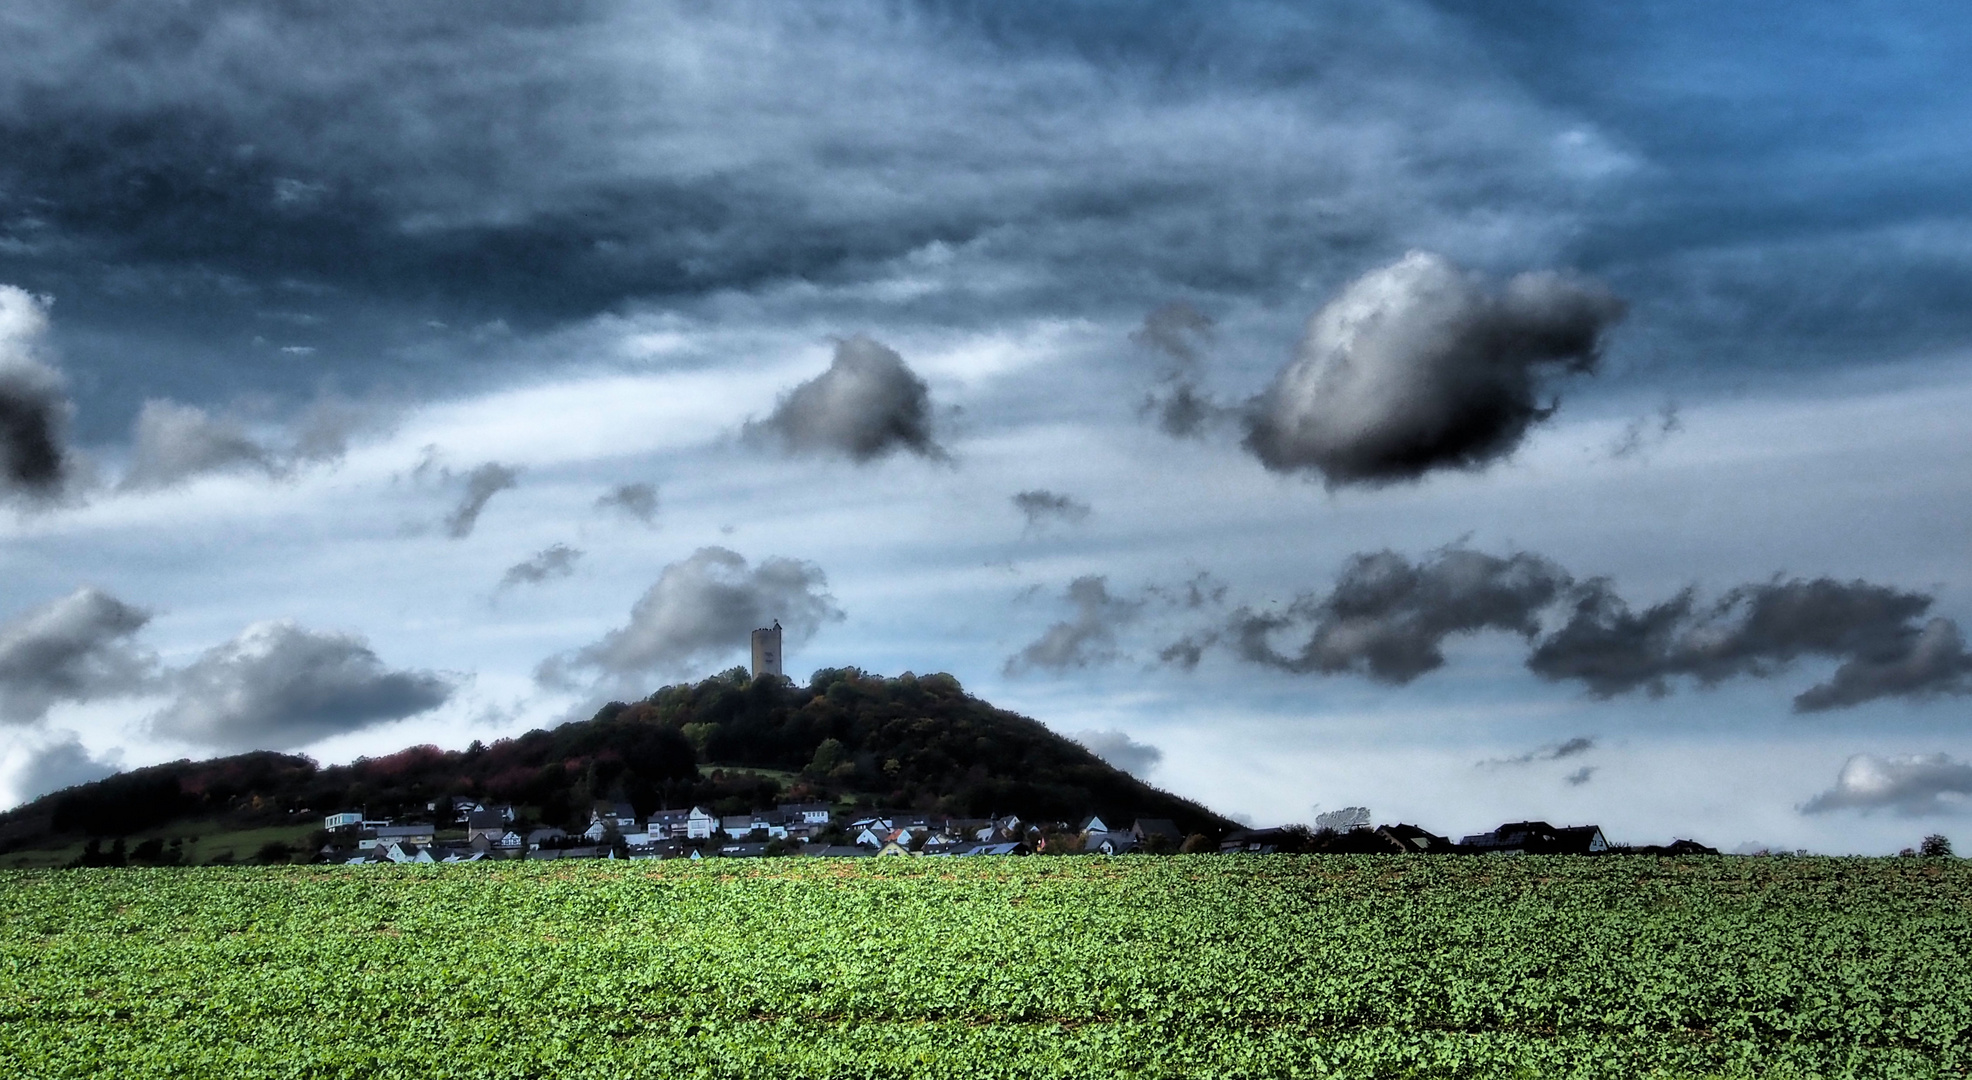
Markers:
point(841, 851)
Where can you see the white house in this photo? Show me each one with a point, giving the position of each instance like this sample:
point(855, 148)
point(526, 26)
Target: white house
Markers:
point(351, 820)
point(700, 825)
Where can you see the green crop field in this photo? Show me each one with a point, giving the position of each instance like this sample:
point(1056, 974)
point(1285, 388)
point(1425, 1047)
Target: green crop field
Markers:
point(1195, 966)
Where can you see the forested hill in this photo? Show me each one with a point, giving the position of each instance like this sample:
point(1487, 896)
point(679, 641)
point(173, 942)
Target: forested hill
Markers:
point(908, 743)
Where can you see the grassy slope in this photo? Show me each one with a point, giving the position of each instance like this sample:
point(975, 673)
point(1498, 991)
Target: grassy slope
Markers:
point(202, 842)
point(1190, 966)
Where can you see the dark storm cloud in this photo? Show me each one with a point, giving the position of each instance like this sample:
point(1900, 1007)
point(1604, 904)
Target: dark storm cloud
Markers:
point(1118, 749)
point(79, 648)
point(33, 408)
point(1912, 786)
point(340, 179)
point(279, 686)
point(866, 405)
point(554, 561)
point(1420, 366)
point(1884, 646)
point(1042, 507)
point(702, 608)
point(1088, 638)
point(482, 483)
point(1388, 617)
point(637, 500)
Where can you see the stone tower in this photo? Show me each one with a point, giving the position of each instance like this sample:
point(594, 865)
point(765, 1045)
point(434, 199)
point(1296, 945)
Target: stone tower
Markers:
point(767, 650)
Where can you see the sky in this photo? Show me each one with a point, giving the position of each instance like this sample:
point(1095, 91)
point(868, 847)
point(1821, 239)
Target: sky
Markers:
point(1472, 413)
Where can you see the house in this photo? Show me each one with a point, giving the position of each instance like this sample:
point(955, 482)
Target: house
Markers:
point(1536, 838)
point(487, 823)
point(837, 851)
point(350, 821)
point(743, 850)
point(806, 813)
point(1111, 844)
point(1253, 841)
point(510, 841)
point(892, 847)
point(1157, 834)
point(1411, 840)
point(1093, 824)
point(617, 815)
point(736, 825)
point(397, 834)
point(668, 823)
point(541, 838)
point(700, 824)
point(1013, 848)
point(405, 852)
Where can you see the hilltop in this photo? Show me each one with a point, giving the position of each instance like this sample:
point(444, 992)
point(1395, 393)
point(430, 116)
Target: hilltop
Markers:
point(729, 743)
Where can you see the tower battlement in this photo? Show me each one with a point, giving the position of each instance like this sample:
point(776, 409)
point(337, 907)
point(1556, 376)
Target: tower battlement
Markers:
point(767, 650)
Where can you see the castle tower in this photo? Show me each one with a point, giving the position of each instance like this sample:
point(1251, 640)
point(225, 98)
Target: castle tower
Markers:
point(767, 650)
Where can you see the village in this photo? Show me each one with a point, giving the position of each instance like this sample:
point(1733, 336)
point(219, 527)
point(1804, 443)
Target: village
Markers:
point(475, 831)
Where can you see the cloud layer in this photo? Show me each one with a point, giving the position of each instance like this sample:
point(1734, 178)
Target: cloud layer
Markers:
point(868, 404)
point(79, 648)
point(1420, 366)
point(278, 686)
point(1912, 786)
point(1388, 618)
point(701, 609)
point(1874, 631)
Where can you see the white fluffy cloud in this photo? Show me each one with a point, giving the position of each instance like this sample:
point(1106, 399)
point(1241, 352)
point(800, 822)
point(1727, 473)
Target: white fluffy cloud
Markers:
point(1420, 366)
point(1912, 786)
